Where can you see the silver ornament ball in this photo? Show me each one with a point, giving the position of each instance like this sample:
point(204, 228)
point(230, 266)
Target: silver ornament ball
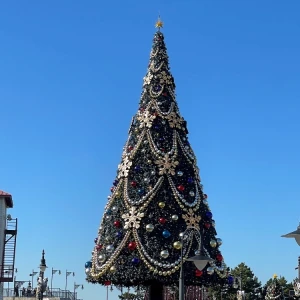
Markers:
point(164, 253)
point(149, 227)
point(101, 257)
point(174, 217)
point(110, 248)
point(219, 241)
point(87, 271)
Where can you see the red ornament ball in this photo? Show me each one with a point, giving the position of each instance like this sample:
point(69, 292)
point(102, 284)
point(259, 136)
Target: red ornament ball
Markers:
point(162, 220)
point(132, 246)
point(130, 148)
point(106, 283)
point(180, 188)
point(133, 183)
point(207, 225)
point(99, 247)
point(165, 94)
point(219, 257)
point(117, 224)
point(198, 273)
point(112, 188)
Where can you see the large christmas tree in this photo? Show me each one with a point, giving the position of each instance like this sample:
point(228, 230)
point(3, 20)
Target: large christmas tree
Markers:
point(156, 197)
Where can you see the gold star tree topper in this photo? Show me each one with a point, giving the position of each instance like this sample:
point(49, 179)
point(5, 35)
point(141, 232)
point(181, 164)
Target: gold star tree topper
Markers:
point(159, 24)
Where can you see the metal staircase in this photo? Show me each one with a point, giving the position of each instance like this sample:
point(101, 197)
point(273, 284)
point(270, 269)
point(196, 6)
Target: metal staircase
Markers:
point(8, 260)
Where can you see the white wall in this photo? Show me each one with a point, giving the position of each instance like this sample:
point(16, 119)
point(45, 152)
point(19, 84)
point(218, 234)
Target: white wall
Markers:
point(2, 235)
point(45, 298)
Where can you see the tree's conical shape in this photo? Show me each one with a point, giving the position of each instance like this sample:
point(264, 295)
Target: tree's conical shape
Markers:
point(156, 196)
point(274, 290)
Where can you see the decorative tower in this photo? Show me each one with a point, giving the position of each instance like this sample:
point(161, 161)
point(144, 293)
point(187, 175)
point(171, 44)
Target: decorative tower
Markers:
point(8, 233)
point(157, 215)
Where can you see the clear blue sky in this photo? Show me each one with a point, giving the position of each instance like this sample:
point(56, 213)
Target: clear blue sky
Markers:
point(70, 81)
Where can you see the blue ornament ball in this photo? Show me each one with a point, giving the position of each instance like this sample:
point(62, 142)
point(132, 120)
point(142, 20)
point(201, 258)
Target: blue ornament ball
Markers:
point(135, 261)
point(208, 214)
point(115, 183)
point(96, 240)
point(166, 234)
point(88, 264)
point(141, 191)
point(137, 168)
point(119, 234)
point(190, 180)
point(230, 280)
point(108, 212)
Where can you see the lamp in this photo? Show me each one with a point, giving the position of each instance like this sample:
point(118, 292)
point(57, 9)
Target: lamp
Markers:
point(199, 260)
point(52, 273)
point(295, 234)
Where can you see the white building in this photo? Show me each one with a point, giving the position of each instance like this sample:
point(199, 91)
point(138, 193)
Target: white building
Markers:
point(8, 233)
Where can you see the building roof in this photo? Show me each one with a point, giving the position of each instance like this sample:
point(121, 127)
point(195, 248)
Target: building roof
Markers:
point(8, 198)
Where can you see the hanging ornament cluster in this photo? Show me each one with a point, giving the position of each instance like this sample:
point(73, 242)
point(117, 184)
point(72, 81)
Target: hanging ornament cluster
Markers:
point(156, 196)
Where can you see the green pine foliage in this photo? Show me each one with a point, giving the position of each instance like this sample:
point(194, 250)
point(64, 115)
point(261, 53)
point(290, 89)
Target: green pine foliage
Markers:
point(156, 196)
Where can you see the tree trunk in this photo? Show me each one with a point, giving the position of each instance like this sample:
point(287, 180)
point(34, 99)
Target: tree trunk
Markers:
point(156, 291)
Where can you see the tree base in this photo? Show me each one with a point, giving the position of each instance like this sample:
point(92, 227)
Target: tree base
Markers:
point(156, 291)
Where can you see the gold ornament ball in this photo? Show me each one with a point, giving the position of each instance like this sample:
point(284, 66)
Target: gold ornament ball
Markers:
point(213, 243)
point(149, 227)
point(117, 193)
point(161, 204)
point(177, 245)
point(174, 217)
point(113, 269)
point(164, 253)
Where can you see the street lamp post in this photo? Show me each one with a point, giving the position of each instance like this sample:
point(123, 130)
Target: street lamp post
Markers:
point(298, 268)
point(200, 261)
point(67, 274)
point(296, 235)
point(76, 286)
point(43, 267)
point(52, 273)
point(240, 286)
point(32, 275)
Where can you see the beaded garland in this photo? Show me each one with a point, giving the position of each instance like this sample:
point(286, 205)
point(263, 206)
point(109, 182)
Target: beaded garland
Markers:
point(156, 196)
